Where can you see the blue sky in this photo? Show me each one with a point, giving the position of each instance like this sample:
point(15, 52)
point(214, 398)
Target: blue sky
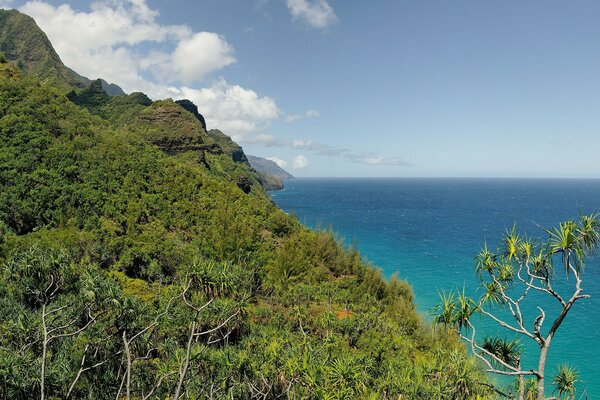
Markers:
point(357, 88)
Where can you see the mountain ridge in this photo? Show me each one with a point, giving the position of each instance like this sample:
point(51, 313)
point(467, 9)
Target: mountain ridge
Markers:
point(139, 258)
point(273, 176)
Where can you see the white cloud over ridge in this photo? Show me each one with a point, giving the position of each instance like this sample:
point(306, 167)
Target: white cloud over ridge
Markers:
point(235, 110)
point(315, 13)
point(300, 162)
point(112, 41)
point(280, 163)
point(122, 42)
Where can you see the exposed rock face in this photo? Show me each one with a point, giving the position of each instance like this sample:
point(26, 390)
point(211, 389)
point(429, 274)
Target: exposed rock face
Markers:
point(245, 184)
point(229, 146)
point(191, 107)
point(270, 182)
point(174, 130)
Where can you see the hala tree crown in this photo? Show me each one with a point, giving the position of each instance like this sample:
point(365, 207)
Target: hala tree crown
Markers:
point(518, 267)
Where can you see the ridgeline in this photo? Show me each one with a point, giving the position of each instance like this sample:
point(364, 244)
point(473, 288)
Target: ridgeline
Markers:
point(140, 257)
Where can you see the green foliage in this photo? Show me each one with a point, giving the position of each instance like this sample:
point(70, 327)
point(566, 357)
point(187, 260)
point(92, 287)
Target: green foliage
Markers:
point(519, 266)
point(122, 240)
point(564, 381)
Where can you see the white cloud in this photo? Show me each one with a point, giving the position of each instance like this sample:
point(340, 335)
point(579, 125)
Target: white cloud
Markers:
point(315, 13)
point(319, 148)
point(293, 117)
point(193, 58)
point(106, 42)
point(117, 40)
point(280, 163)
point(376, 159)
point(235, 110)
point(300, 162)
point(368, 158)
point(296, 117)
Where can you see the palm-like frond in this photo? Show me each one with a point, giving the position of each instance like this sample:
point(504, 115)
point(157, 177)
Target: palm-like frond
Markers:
point(493, 294)
point(512, 243)
point(509, 351)
point(445, 311)
point(565, 380)
point(485, 261)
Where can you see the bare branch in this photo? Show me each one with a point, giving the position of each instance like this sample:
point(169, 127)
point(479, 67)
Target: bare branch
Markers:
point(217, 327)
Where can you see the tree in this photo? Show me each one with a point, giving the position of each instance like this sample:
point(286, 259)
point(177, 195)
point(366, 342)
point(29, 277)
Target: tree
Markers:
point(565, 380)
point(507, 276)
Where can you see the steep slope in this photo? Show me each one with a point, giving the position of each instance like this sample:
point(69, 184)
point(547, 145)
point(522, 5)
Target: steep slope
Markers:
point(230, 147)
point(272, 176)
point(269, 167)
point(111, 89)
point(129, 268)
point(22, 41)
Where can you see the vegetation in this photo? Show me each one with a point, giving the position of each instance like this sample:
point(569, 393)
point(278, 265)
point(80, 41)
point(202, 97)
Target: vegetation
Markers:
point(519, 270)
point(24, 43)
point(130, 270)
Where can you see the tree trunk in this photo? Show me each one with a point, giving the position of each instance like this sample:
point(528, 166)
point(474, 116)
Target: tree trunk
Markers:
point(44, 352)
point(541, 367)
point(521, 388)
point(128, 372)
point(184, 366)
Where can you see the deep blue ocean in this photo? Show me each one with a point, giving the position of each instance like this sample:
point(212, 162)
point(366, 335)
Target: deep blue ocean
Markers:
point(429, 231)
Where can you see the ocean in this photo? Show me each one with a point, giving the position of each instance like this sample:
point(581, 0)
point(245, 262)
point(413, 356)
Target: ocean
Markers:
point(428, 231)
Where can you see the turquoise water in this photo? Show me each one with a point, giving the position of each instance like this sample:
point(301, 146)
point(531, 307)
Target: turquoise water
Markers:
point(429, 231)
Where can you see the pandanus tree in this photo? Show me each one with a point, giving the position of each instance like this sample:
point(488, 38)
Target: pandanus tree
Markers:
point(508, 278)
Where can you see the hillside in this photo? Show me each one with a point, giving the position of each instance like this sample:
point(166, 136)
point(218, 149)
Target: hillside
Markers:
point(272, 175)
point(23, 42)
point(141, 258)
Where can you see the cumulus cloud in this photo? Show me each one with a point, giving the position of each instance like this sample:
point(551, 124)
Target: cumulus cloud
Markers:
point(117, 40)
point(296, 117)
point(280, 163)
point(233, 109)
point(105, 41)
point(315, 13)
point(193, 58)
point(300, 162)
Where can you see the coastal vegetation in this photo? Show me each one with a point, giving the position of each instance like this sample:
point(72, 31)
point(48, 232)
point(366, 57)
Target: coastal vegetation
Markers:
point(511, 280)
point(140, 259)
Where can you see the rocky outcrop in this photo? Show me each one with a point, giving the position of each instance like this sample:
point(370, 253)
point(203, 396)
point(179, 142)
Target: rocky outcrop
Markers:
point(92, 96)
point(175, 130)
point(229, 146)
point(191, 107)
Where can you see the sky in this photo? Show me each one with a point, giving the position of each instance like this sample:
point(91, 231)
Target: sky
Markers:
point(349, 88)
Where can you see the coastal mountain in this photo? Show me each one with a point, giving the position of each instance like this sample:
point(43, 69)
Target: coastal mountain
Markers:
point(269, 167)
point(111, 89)
point(140, 257)
point(273, 176)
point(23, 42)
